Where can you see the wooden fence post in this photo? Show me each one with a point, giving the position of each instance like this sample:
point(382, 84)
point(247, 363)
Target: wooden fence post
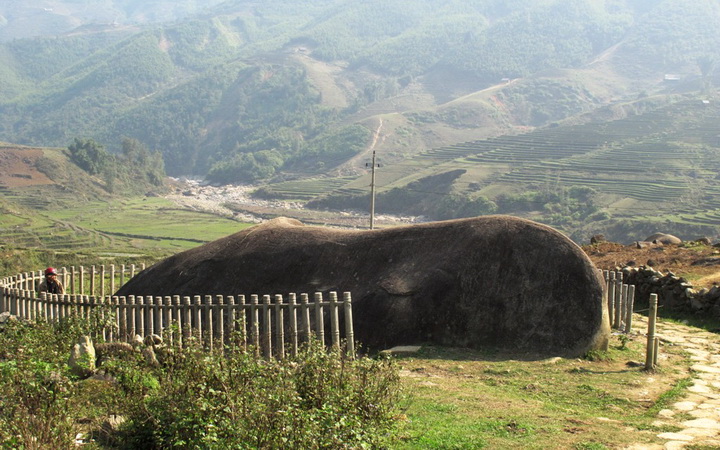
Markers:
point(255, 323)
point(93, 286)
point(112, 278)
point(102, 280)
point(267, 327)
point(334, 321)
point(149, 317)
point(157, 316)
point(140, 317)
point(611, 296)
point(168, 317)
point(305, 314)
point(656, 350)
point(220, 321)
point(197, 317)
point(177, 317)
point(618, 297)
point(132, 318)
point(74, 282)
point(230, 323)
point(59, 306)
point(122, 318)
point(15, 302)
point(292, 312)
point(242, 316)
point(349, 332)
point(319, 319)
point(43, 306)
point(279, 328)
point(652, 317)
point(208, 321)
point(623, 307)
point(630, 306)
point(115, 311)
point(187, 319)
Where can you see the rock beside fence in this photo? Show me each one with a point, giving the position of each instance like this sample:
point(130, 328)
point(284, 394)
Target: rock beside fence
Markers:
point(673, 291)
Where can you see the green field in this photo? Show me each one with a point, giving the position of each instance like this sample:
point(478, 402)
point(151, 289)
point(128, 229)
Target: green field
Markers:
point(134, 225)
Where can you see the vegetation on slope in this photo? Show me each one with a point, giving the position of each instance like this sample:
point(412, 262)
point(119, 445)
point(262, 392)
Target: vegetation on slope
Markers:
point(224, 90)
point(654, 168)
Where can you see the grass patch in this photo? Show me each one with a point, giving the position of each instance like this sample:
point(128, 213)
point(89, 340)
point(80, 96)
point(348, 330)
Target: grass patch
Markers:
point(670, 396)
point(460, 398)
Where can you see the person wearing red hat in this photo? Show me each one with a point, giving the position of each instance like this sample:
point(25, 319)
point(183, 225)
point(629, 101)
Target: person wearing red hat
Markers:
point(51, 284)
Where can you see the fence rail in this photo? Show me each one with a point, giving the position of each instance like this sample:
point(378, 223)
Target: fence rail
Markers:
point(272, 325)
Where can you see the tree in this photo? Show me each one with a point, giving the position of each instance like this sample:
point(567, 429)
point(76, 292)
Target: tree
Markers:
point(89, 155)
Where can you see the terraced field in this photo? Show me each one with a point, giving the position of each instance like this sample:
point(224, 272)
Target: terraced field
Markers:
point(666, 159)
point(306, 189)
point(49, 219)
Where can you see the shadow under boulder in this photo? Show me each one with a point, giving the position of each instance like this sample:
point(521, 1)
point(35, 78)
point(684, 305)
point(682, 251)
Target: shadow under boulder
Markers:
point(493, 281)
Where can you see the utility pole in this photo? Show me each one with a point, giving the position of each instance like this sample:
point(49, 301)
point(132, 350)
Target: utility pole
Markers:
point(372, 191)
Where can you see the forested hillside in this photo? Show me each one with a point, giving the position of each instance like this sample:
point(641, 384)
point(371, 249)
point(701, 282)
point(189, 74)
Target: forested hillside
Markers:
point(246, 91)
point(23, 19)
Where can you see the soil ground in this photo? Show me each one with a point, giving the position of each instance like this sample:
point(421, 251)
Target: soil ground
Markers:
point(18, 167)
point(700, 264)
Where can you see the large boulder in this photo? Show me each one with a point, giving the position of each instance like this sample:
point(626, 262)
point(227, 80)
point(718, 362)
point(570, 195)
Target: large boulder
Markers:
point(488, 281)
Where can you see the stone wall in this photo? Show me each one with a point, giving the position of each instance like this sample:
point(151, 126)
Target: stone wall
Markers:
point(673, 291)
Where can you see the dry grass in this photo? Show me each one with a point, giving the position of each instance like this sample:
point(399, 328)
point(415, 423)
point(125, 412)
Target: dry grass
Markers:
point(468, 399)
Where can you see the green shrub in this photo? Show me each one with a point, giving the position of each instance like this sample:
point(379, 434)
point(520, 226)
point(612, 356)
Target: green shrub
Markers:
point(36, 386)
point(194, 399)
point(316, 400)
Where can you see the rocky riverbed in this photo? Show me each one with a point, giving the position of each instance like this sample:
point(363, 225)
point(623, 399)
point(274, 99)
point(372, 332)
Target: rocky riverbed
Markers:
point(236, 201)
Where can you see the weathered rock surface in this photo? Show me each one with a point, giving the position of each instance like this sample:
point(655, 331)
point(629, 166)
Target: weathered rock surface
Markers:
point(663, 238)
point(82, 357)
point(486, 281)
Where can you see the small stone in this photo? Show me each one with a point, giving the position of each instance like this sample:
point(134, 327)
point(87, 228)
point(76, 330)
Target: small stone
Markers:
point(700, 432)
point(675, 437)
point(701, 413)
point(685, 406)
point(699, 389)
point(675, 445)
point(704, 368)
point(702, 423)
point(403, 349)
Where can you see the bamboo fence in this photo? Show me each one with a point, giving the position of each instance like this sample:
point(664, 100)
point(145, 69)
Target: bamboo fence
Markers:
point(272, 325)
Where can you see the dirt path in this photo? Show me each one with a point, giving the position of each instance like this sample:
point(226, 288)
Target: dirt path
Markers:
point(353, 165)
point(697, 414)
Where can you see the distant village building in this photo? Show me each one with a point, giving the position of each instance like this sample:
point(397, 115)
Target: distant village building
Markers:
point(671, 77)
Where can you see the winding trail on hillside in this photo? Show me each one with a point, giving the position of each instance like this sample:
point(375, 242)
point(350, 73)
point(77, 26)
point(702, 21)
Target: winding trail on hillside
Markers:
point(352, 166)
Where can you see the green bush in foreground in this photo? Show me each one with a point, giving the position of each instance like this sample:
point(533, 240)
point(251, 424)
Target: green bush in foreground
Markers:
point(317, 400)
point(36, 386)
point(194, 399)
